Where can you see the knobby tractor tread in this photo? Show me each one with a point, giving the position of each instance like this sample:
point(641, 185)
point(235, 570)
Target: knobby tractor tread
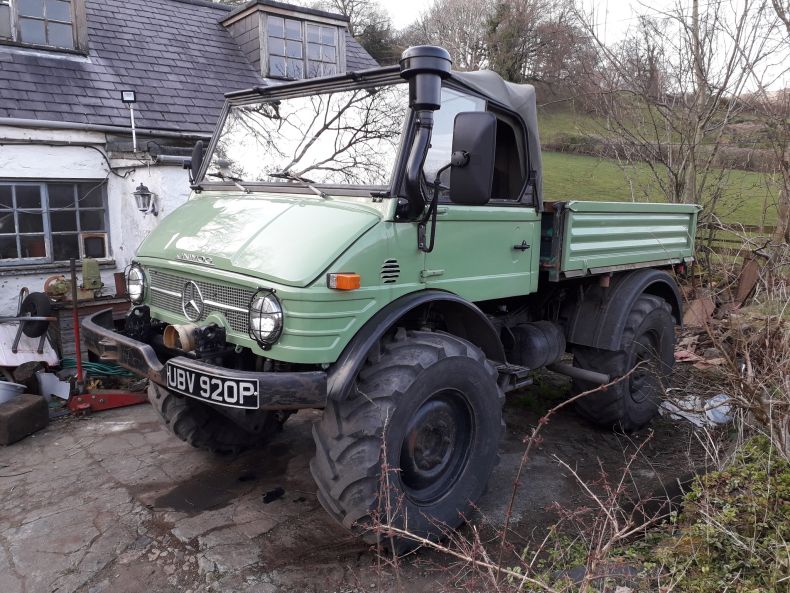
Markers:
point(203, 428)
point(611, 408)
point(347, 466)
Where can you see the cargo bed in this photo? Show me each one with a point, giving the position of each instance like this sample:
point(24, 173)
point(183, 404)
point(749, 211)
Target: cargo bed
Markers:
point(580, 238)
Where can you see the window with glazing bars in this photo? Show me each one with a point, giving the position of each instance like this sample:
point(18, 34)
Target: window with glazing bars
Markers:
point(39, 22)
point(42, 221)
point(299, 49)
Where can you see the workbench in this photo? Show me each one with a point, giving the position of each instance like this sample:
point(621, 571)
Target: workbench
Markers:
point(62, 332)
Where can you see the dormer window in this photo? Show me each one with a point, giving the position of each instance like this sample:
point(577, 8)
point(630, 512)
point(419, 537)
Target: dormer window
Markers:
point(299, 49)
point(290, 42)
point(43, 23)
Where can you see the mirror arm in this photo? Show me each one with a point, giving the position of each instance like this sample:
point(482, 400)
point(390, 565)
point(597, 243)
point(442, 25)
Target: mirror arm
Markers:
point(422, 142)
point(430, 213)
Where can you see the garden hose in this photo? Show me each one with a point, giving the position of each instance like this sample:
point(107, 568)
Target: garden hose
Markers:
point(105, 369)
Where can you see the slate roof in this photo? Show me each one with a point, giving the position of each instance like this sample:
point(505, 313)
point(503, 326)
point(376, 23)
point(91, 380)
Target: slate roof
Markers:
point(174, 53)
point(356, 56)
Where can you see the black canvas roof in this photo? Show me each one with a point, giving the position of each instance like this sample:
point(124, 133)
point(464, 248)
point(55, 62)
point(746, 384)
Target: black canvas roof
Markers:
point(519, 98)
point(173, 53)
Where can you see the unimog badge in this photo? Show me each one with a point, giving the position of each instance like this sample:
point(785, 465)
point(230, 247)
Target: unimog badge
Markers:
point(195, 258)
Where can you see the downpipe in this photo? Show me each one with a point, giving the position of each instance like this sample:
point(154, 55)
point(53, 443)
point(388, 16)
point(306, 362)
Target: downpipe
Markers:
point(414, 165)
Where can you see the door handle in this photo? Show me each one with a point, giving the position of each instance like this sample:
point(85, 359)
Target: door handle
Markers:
point(521, 246)
point(442, 210)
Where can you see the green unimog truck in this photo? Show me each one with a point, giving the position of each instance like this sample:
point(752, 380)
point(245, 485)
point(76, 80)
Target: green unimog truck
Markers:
point(377, 245)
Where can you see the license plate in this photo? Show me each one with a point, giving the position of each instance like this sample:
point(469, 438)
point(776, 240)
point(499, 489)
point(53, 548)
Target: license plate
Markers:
point(213, 387)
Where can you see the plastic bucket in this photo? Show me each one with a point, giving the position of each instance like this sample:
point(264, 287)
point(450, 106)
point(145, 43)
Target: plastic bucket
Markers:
point(9, 391)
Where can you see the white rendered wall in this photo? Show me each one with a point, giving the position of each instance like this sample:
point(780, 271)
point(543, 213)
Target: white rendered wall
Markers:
point(44, 155)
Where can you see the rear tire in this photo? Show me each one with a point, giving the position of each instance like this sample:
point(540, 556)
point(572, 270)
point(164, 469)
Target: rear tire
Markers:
point(433, 401)
point(648, 337)
point(204, 428)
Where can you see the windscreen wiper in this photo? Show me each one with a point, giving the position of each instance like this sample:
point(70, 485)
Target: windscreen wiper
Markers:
point(234, 180)
point(286, 174)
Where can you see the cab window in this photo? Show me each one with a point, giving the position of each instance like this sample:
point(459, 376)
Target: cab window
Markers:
point(453, 103)
point(510, 164)
point(509, 159)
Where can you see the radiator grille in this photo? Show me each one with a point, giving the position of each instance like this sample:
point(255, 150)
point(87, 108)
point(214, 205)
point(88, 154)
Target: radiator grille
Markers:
point(390, 271)
point(231, 301)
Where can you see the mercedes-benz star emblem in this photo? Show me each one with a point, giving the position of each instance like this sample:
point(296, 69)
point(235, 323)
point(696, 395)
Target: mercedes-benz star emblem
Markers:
point(192, 301)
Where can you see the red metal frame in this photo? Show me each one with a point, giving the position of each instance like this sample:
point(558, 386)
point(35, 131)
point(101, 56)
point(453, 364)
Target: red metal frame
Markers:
point(100, 399)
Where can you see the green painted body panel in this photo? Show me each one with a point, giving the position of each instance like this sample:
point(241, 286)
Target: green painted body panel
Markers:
point(602, 236)
point(318, 321)
point(287, 239)
point(474, 254)
point(289, 243)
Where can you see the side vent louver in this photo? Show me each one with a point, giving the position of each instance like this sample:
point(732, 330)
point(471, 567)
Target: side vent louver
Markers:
point(390, 271)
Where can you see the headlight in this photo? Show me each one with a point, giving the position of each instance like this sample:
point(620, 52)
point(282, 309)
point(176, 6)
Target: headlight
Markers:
point(266, 318)
point(135, 284)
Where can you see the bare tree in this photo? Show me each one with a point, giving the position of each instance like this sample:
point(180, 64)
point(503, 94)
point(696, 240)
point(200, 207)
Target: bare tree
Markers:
point(536, 40)
point(369, 23)
point(457, 25)
point(774, 108)
point(671, 89)
point(514, 38)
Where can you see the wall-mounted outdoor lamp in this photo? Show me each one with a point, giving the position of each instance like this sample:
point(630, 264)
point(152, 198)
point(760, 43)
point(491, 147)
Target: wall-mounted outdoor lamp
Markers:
point(130, 98)
point(146, 201)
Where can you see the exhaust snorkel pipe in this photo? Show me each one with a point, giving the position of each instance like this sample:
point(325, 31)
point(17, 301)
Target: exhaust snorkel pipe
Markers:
point(424, 66)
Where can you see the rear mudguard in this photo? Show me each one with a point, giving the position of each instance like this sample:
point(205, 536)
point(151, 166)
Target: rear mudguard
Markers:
point(597, 318)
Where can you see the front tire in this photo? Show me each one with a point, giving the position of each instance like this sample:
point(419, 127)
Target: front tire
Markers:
point(431, 402)
point(648, 339)
point(204, 428)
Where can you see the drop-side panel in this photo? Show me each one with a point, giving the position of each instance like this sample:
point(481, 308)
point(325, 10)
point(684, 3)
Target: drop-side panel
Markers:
point(597, 237)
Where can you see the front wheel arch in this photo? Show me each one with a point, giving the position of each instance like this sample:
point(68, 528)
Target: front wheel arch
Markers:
point(463, 319)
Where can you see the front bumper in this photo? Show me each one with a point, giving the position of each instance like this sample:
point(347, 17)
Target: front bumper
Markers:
point(278, 391)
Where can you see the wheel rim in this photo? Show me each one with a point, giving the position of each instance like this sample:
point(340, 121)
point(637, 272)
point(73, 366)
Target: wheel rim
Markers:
point(436, 446)
point(644, 381)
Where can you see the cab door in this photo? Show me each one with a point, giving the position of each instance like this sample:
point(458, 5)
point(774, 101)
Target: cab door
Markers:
point(491, 251)
point(484, 252)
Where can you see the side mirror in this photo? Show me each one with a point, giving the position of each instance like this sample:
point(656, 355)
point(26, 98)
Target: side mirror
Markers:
point(474, 145)
point(196, 162)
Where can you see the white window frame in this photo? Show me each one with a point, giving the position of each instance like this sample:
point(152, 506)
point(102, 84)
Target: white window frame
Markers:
point(304, 23)
point(78, 27)
point(46, 210)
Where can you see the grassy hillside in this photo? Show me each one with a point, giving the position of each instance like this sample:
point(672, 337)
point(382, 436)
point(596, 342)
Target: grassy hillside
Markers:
point(574, 177)
point(564, 123)
point(558, 124)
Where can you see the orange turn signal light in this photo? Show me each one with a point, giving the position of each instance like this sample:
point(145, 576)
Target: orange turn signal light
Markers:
point(343, 281)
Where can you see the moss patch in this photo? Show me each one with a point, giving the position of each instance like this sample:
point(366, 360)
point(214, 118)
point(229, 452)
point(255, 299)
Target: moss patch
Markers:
point(734, 531)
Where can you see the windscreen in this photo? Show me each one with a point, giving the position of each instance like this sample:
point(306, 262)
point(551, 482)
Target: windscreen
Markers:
point(344, 137)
